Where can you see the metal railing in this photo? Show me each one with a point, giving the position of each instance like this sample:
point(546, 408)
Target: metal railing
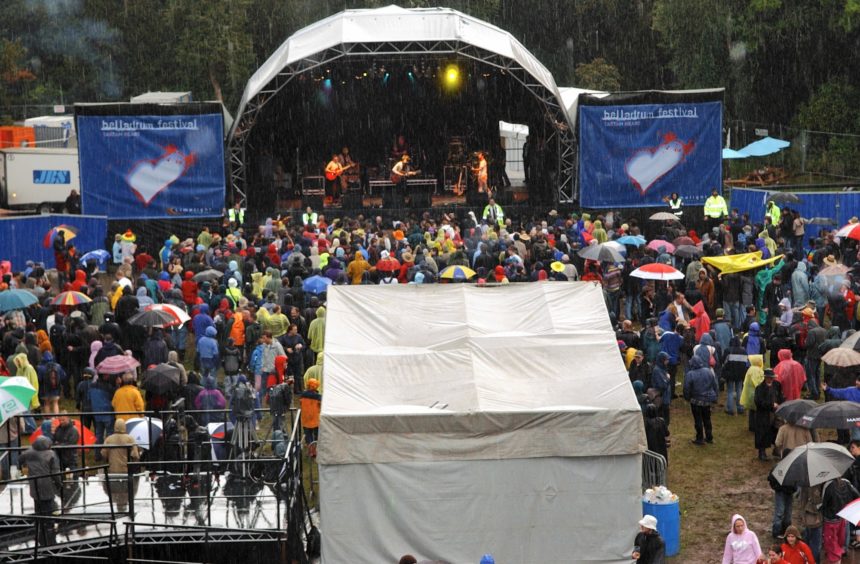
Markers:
point(283, 475)
point(653, 470)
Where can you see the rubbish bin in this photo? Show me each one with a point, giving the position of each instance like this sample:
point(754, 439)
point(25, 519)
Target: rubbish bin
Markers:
point(668, 523)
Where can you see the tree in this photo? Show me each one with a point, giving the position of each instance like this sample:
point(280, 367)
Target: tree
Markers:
point(598, 75)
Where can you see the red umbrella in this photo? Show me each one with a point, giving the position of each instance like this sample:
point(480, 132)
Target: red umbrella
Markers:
point(852, 231)
point(683, 241)
point(388, 264)
point(657, 271)
point(89, 436)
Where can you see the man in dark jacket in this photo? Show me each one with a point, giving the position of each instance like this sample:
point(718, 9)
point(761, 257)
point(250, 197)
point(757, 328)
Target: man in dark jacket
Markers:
point(700, 389)
point(734, 371)
point(41, 462)
point(155, 350)
point(815, 336)
point(66, 435)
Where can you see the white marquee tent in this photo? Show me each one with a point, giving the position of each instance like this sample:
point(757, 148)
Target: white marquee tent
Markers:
point(459, 420)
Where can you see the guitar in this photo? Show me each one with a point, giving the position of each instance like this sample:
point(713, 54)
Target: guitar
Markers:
point(460, 186)
point(397, 179)
point(331, 175)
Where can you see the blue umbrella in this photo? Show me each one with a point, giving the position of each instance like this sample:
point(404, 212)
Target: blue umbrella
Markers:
point(633, 240)
point(316, 284)
point(16, 299)
point(101, 256)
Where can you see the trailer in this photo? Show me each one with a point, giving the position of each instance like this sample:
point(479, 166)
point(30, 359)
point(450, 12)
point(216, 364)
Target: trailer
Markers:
point(38, 179)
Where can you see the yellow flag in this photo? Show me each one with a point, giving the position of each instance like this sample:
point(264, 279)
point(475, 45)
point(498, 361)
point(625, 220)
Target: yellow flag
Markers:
point(739, 263)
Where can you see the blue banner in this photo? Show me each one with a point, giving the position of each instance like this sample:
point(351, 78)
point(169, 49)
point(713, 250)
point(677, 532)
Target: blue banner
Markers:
point(141, 167)
point(838, 206)
point(635, 156)
point(32, 237)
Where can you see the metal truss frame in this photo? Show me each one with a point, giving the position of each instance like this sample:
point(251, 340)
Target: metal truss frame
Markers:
point(554, 113)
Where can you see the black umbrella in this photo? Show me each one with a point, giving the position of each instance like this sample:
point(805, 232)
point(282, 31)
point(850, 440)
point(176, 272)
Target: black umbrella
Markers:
point(832, 415)
point(688, 251)
point(784, 198)
point(208, 275)
point(162, 379)
point(153, 318)
point(792, 410)
point(813, 464)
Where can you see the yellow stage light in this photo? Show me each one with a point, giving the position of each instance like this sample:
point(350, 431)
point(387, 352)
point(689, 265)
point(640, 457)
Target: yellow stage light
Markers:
point(452, 75)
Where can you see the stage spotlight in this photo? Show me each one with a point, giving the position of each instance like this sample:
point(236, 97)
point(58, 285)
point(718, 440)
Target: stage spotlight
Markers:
point(411, 77)
point(385, 77)
point(452, 76)
point(327, 85)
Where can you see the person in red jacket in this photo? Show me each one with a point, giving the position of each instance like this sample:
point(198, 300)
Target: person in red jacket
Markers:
point(189, 289)
point(794, 550)
point(790, 375)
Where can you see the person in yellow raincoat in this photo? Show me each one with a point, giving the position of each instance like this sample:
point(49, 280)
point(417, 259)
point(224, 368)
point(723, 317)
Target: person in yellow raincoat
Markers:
point(753, 377)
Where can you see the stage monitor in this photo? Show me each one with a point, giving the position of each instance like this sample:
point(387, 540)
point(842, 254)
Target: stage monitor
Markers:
point(145, 161)
point(635, 155)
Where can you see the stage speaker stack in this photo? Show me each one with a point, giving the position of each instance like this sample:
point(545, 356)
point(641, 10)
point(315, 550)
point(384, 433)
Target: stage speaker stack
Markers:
point(421, 198)
point(313, 192)
point(352, 200)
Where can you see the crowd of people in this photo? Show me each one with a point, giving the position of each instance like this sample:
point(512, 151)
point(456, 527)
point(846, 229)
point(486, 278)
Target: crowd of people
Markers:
point(256, 337)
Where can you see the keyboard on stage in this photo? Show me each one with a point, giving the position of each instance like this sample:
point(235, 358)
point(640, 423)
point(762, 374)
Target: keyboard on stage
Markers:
point(410, 183)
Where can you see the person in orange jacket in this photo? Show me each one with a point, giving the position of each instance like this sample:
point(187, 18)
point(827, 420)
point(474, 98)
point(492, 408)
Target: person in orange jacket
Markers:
point(311, 403)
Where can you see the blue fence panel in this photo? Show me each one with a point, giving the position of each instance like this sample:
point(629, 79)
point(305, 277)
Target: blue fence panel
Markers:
point(31, 237)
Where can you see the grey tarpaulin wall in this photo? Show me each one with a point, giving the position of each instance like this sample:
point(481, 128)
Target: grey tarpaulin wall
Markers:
point(532, 451)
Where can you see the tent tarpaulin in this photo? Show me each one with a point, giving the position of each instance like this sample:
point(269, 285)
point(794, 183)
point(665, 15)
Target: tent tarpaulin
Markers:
point(509, 400)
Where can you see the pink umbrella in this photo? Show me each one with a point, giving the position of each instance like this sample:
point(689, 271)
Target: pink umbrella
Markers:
point(657, 271)
point(657, 243)
point(117, 364)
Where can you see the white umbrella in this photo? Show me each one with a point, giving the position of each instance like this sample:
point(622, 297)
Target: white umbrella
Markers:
point(15, 395)
point(851, 512)
point(657, 271)
point(139, 428)
point(176, 311)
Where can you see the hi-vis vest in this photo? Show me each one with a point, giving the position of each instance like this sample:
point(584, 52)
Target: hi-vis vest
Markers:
point(309, 218)
point(715, 207)
point(675, 206)
point(231, 215)
point(774, 214)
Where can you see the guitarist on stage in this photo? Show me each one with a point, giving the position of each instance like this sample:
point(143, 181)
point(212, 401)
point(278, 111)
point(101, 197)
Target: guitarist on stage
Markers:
point(401, 171)
point(481, 175)
point(333, 170)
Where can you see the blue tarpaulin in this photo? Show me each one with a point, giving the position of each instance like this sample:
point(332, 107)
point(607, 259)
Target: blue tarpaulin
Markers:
point(25, 238)
point(764, 147)
point(732, 154)
point(839, 206)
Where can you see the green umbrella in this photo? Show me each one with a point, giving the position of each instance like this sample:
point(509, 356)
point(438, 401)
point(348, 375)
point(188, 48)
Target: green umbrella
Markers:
point(16, 299)
point(15, 395)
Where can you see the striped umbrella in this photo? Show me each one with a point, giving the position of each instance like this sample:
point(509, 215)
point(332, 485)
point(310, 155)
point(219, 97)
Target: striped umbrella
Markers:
point(70, 299)
point(15, 395)
point(457, 272)
point(180, 314)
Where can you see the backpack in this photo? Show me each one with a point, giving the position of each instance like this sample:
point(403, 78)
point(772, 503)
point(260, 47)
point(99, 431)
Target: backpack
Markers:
point(253, 332)
point(243, 400)
point(280, 398)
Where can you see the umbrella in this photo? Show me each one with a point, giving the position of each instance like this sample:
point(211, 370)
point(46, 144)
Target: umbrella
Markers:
point(832, 415)
point(687, 251)
point(89, 436)
point(835, 270)
point(16, 299)
point(140, 428)
point(218, 434)
point(101, 256)
point(457, 272)
point(657, 243)
point(153, 318)
point(162, 379)
point(601, 253)
point(851, 512)
point(852, 231)
point(851, 342)
point(316, 284)
point(177, 312)
point(657, 271)
point(841, 357)
point(632, 240)
point(15, 395)
point(117, 364)
point(783, 198)
point(208, 275)
point(813, 464)
point(663, 216)
point(683, 241)
point(617, 246)
point(70, 299)
point(792, 410)
point(69, 232)
point(764, 147)
point(388, 264)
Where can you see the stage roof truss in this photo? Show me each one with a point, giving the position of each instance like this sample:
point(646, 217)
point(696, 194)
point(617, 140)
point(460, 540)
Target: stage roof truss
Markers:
point(554, 111)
